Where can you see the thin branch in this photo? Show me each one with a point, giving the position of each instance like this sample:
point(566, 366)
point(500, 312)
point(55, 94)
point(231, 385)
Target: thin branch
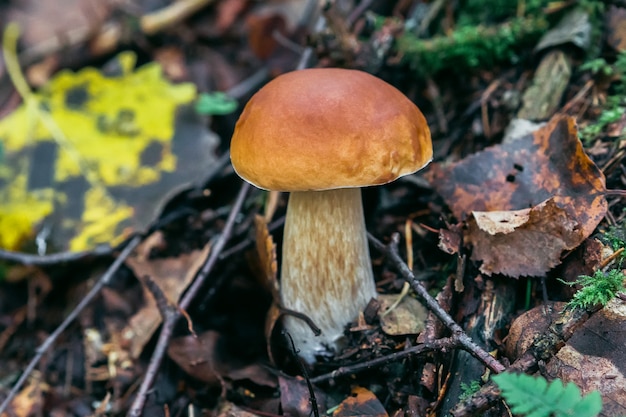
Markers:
point(172, 315)
point(56, 258)
point(465, 342)
point(544, 347)
point(446, 343)
point(95, 290)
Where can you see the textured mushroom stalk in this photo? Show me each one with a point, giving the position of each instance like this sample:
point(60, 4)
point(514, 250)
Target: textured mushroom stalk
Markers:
point(326, 271)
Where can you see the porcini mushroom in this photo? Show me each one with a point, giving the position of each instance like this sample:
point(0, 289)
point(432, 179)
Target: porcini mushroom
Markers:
point(321, 134)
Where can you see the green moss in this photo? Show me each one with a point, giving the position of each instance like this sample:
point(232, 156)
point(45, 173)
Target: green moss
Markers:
point(471, 47)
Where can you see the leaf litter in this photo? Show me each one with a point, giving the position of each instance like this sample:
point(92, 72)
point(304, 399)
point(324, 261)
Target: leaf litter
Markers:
point(525, 202)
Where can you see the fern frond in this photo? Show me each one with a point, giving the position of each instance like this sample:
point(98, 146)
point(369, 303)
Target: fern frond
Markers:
point(535, 397)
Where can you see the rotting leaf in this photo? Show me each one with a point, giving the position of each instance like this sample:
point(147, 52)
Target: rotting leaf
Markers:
point(268, 266)
point(171, 275)
point(616, 28)
point(92, 155)
point(594, 358)
point(525, 242)
point(266, 251)
point(205, 358)
point(408, 317)
point(362, 402)
point(295, 398)
point(549, 164)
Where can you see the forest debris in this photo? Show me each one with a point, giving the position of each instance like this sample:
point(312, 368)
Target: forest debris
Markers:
point(526, 242)
point(30, 400)
point(62, 22)
point(266, 252)
point(574, 28)
point(543, 98)
point(616, 27)
point(91, 154)
point(171, 275)
point(549, 164)
point(407, 317)
point(361, 402)
point(207, 359)
point(527, 326)
point(594, 358)
point(295, 397)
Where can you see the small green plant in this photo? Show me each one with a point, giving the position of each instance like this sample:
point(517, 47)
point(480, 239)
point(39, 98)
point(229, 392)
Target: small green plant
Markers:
point(598, 289)
point(215, 104)
point(615, 106)
point(535, 397)
point(615, 237)
point(467, 390)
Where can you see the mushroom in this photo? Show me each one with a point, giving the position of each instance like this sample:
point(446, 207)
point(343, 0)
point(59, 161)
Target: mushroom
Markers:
point(321, 134)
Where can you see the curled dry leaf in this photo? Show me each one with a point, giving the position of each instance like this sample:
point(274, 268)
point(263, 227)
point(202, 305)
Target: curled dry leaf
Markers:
point(525, 242)
point(268, 267)
point(207, 359)
point(362, 402)
point(594, 358)
point(546, 172)
point(616, 25)
point(527, 326)
point(408, 317)
point(171, 275)
point(295, 398)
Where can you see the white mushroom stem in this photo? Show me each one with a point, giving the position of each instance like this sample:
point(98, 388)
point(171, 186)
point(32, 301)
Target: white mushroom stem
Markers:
point(326, 270)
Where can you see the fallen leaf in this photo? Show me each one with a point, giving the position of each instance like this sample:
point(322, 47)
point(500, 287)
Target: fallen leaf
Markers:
point(60, 22)
point(616, 28)
point(594, 358)
point(207, 359)
point(171, 275)
point(362, 402)
point(295, 397)
point(526, 242)
point(408, 317)
point(266, 251)
point(92, 155)
point(523, 174)
point(526, 327)
point(29, 401)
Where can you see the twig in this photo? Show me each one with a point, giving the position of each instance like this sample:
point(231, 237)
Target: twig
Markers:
point(172, 315)
point(170, 15)
point(95, 290)
point(53, 259)
point(305, 374)
point(543, 348)
point(249, 242)
point(465, 342)
point(446, 343)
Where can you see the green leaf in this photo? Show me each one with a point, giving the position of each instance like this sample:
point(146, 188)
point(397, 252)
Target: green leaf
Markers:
point(535, 397)
point(216, 103)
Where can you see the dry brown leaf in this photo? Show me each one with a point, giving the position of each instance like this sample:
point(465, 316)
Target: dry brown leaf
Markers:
point(526, 327)
point(295, 399)
point(525, 242)
point(60, 22)
point(171, 275)
point(205, 358)
point(266, 251)
point(363, 403)
point(29, 401)
point(408, 317)
point(616, 28)
point(594, 358)
point(549, 164)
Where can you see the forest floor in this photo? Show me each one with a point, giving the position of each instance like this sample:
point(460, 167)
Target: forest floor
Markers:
point(139, 275)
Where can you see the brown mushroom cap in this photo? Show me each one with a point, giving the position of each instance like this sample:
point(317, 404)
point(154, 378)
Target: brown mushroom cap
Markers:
point(326, 128)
